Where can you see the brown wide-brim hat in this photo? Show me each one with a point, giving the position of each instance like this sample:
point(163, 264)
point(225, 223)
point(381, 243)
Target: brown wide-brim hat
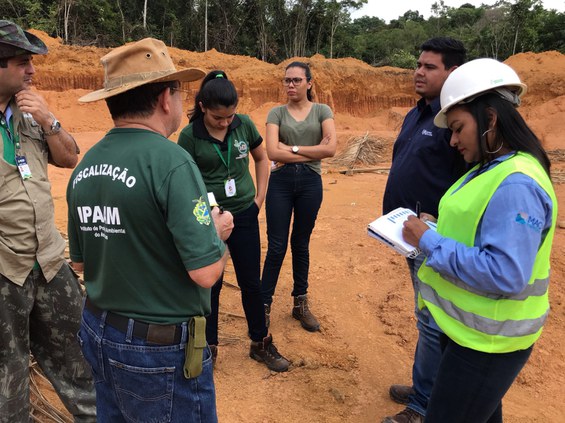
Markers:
point(14, 41)
point(133, 65)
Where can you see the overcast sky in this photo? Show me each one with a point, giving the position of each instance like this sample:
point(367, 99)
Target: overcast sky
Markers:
point(392, 9)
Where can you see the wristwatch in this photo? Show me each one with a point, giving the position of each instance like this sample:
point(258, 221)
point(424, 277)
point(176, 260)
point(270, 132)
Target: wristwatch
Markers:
point(55, 128)
point(295, 149)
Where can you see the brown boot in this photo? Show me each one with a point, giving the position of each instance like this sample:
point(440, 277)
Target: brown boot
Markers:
point(401, 393)
point(301, 312)
point(405, 416)
point(266, 352)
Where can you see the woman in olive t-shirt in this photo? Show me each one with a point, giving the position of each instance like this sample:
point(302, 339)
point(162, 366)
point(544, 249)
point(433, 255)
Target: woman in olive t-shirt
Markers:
point(299, 134)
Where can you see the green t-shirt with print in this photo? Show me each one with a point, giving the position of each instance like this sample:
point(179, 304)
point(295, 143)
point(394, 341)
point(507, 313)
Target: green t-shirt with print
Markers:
point(243, 137)
point(138, 219)
point(307, 132)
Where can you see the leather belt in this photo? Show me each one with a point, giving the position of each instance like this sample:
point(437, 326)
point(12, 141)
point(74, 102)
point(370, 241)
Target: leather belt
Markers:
point(155, 334)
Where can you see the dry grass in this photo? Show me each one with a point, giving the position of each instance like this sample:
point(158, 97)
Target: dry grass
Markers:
point(41, 410)
point(556, 155)
point(360, 151)
point(557, 158)
point(557, 176)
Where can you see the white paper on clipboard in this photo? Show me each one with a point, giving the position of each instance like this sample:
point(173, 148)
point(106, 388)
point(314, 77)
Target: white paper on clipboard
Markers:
point(388, 230)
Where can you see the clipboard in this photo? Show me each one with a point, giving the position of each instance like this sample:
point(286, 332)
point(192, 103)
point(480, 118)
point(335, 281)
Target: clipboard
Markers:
point(388, 230)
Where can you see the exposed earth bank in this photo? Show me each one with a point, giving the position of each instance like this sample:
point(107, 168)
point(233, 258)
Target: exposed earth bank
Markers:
point(360, 290)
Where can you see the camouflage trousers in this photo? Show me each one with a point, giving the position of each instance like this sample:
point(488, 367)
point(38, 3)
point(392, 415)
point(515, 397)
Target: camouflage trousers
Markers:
point(43, 318)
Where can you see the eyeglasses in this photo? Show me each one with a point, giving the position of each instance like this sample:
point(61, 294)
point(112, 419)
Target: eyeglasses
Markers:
point(186, 92)
point(295, 81)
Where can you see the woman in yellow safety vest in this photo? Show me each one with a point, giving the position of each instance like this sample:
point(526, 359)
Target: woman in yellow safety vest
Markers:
point(486, 275)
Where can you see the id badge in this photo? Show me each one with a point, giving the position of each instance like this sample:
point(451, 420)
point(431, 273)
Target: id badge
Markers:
point(23, 167)
point(230, 188)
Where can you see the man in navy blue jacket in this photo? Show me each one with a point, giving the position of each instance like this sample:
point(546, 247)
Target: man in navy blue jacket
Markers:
point(424, 166)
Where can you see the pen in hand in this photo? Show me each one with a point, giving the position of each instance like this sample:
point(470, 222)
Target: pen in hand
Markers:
point(418, 207)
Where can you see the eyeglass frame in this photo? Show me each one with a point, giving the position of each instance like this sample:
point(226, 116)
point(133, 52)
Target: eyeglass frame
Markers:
point(187, 92)
point(287, 81)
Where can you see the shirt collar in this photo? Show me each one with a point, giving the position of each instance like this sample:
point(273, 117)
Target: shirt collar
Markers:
point(8, 113)
point(200, 130)
point(434, 106)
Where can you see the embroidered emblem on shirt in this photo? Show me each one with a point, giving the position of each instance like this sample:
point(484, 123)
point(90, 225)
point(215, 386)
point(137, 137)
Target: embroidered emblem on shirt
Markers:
point(242, 148)
point(531, 222)
point(201, 212)
point(427, 133)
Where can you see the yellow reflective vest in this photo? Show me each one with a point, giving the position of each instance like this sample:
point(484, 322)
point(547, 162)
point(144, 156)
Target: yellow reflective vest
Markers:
point(478, 320)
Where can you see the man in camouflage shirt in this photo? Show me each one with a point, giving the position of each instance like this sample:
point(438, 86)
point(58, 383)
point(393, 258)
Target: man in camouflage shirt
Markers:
point(40, 298)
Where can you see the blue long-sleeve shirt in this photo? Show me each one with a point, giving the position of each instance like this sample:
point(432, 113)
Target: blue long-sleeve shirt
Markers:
point(503, 255)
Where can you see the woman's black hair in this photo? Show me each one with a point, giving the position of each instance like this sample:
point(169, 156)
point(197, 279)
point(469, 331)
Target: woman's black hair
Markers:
point(216, 90)
point(307, 72)
point(511, 128)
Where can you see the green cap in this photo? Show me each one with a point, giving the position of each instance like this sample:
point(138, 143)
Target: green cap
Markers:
point(14, 41)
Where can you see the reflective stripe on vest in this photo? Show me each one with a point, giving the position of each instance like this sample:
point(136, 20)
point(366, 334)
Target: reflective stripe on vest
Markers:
point(474, 319)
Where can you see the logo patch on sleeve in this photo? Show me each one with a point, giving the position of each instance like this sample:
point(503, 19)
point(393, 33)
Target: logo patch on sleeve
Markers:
point(531, 222)
point(201, 212)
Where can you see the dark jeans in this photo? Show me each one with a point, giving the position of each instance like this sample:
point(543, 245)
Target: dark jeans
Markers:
point(428, 350)
point(244, 244)
point(470, 384)
point(295, 188)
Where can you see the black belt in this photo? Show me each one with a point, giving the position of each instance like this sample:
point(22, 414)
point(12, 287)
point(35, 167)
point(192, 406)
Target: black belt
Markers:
point(155, 334)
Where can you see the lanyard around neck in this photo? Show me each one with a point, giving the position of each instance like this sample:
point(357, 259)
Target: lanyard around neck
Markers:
point(226, 164)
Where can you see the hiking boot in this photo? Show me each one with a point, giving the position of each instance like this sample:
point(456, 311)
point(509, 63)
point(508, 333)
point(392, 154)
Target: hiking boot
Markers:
point(267, 315)
point(401, 393)
point(405, 416)
point(266, 352)
point(301, 312)
point(214, 352)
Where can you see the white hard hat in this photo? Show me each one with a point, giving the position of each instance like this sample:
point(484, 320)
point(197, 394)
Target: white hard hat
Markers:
point(476, 77)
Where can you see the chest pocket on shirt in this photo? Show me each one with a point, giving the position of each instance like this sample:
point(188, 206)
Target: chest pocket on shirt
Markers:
point(36, 151)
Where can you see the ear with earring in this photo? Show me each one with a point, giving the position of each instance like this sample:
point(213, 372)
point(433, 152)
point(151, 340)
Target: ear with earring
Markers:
point(486, 142)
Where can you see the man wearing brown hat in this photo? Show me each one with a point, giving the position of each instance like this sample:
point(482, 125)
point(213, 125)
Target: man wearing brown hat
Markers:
point(141, 228)
point(40, 298)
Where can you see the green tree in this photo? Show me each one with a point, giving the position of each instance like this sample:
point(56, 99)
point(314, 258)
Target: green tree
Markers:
point(524, 15)
point(403, 59)
point(552, 31)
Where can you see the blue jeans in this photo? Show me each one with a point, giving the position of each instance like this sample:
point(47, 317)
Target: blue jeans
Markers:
point(470, 384)
point(295, 188)
point(428, 349)
point(244, 244)
point(140, 382)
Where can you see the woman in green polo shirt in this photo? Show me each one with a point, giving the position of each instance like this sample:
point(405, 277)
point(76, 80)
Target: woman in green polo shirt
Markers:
point(220, 141)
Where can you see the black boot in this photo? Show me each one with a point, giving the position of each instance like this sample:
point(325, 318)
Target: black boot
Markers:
point(266, 352)
point(301, 312)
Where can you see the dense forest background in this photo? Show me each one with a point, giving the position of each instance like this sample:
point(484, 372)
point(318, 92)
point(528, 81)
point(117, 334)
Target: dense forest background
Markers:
point(274, 30)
